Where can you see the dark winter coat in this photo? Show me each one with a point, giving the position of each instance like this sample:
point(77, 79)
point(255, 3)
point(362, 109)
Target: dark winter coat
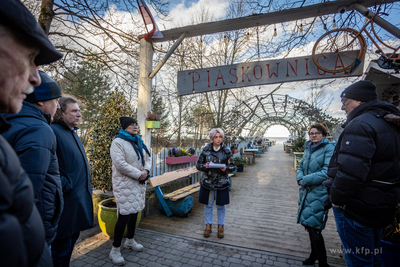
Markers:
point(365, 165)
point(21, 228)
point(76, 183)
point(312, 171)
point(35, 144)
point(215, 179)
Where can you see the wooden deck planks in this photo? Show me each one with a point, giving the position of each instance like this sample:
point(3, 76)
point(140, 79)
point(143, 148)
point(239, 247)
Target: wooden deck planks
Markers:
point(261, 215)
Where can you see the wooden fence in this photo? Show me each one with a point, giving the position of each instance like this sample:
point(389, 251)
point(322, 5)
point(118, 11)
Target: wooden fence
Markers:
point(160, 166)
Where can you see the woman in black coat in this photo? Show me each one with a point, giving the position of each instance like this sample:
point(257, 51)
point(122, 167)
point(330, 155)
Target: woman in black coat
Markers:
point(215, 181)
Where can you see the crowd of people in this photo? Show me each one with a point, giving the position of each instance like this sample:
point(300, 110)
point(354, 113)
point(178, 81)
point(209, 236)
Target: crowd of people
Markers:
point(45, 184)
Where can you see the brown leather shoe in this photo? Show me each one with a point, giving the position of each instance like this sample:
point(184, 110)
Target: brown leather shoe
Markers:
point(220, 231)
point(208, 230)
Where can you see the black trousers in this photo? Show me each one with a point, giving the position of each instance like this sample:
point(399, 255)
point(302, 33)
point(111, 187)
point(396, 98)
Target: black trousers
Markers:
point(122, 222)
point(318, 251)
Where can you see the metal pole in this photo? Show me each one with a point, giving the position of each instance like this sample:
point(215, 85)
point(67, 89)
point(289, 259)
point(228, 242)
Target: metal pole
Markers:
point(162, 62)
point(144, 88)
point(378, 20)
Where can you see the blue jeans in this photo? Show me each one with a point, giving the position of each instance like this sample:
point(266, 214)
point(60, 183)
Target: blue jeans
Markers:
point(360, 243)
point(208, 210)
point(61, 250)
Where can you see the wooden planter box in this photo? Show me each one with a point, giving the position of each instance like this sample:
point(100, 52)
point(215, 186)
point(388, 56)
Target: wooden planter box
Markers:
point(180, 160)
point(152, 124)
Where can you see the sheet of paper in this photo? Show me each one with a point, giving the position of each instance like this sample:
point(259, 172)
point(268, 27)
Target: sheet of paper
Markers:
point(216, 165)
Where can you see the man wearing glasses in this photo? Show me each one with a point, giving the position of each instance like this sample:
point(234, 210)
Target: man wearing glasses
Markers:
point(364, 174)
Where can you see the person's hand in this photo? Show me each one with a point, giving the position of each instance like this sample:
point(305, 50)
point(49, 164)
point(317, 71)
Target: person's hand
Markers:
point(207, 165)
point(328, 203)
point(303, 185)
point(223, 169)
point(143, 176)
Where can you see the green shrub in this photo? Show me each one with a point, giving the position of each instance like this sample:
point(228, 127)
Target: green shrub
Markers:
point(105, 127)
point(240, 161)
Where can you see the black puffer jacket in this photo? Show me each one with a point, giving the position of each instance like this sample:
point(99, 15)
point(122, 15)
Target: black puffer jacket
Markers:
point(215, 179)
point(365, 166)
point(35, 143)
point(21, 228)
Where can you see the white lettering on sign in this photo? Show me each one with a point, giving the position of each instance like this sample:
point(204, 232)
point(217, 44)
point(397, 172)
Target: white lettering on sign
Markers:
point(258, 73)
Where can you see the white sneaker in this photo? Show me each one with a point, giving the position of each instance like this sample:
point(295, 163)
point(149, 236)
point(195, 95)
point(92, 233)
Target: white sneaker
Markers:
point(131, 244)
point(116, 257)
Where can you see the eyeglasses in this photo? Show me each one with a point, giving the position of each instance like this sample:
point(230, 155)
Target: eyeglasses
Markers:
point(315, 134)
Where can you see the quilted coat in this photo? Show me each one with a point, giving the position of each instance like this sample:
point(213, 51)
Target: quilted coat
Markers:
point(312, 171)
point(36, 145)
point(215, 179)
point(126, 169)
point(21, 227)
point(365, 165)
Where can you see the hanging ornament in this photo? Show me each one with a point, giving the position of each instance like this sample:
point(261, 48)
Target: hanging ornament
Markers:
point(201, 42)
point(248, 36)
point(161, 48)
point(224, 38)
point(301, 28)
point(181, 46)
point(275, 33)
point(334, 23)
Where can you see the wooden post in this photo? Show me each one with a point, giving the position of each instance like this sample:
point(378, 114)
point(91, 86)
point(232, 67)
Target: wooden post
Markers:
point(144, 88)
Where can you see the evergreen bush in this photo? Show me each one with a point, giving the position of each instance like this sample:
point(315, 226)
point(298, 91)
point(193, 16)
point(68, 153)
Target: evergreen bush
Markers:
point(105, 127)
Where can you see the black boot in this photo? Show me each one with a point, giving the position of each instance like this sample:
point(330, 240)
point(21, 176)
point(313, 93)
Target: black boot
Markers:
point(313, 256)
point(319, 246)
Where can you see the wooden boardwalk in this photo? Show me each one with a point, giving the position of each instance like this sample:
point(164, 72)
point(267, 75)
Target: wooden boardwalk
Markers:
point(261, 214)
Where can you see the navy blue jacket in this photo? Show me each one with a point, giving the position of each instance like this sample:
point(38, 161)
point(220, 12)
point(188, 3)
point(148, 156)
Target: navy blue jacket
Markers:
point(75, 178)
point(21, 228)
point(35, 144)
point(365, 166)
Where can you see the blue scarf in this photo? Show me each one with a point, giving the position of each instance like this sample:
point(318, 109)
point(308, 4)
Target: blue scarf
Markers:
point(136, 142)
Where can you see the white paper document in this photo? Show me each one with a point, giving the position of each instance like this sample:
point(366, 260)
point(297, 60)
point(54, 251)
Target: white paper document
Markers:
point(216, 165)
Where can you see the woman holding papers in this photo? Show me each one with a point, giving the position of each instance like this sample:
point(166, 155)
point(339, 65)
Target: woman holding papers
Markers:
point(216, 162)
point(311, 173)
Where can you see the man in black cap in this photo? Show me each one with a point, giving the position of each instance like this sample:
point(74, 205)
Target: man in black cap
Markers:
point(23, 46)
point(364, 174)
point(35, 143)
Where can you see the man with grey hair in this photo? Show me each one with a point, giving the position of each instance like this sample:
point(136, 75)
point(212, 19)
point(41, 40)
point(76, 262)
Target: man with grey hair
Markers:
point(23, 46)
point(364, 174)
point(75, 178)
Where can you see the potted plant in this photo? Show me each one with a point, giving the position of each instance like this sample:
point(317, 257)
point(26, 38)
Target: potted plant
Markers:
point(180, 156)
point(152, 120)
point(107, 216)
point(235, 148)
point(390, 242)
point(240, 163)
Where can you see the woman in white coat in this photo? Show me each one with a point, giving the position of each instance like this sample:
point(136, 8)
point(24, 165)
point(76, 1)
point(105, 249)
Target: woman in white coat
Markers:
point(131, 165)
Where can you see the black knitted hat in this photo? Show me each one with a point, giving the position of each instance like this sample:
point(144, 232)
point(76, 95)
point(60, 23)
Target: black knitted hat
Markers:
point(126, 121)
point(48, 89)
point(362, 91)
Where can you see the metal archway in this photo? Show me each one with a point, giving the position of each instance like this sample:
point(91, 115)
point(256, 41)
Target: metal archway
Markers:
point(260, 112)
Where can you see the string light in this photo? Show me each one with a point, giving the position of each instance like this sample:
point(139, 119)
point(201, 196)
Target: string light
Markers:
point(334, 23)
point(248, 36)
point(201, 42)
point(161, 48)
point(181, 45)
point(301, 28)
point(275, 33)
point(224, 38)
point(366, 19)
